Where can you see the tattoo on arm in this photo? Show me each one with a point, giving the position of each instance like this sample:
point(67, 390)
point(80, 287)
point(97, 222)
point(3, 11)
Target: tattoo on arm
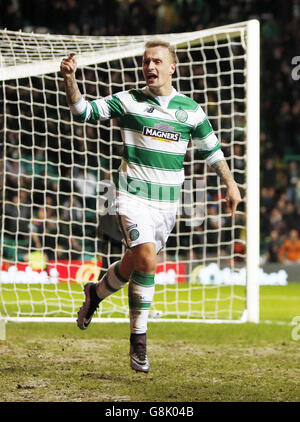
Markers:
point(72, 91)
point(223, 171)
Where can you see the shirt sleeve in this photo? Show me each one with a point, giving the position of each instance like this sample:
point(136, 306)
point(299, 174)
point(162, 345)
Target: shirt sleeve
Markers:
point(206, 141)
point(100, 109)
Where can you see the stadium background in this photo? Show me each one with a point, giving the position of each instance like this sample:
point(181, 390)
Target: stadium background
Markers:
point(280, 95)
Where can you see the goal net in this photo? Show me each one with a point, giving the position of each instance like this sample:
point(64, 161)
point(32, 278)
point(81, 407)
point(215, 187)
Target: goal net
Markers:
point(57, 225)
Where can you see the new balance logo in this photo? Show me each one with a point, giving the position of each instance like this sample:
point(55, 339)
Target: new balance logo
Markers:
point(149, 109)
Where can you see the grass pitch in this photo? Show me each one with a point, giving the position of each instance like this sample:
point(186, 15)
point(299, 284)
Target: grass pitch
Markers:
point(190, 362)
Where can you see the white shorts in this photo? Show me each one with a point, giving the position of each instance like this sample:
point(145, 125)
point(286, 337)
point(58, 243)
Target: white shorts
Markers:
point(140, 222)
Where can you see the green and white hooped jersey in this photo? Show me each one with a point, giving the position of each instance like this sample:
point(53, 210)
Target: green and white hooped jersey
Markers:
point(156, 132)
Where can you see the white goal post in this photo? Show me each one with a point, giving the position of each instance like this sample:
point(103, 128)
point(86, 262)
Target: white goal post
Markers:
point(56, 233)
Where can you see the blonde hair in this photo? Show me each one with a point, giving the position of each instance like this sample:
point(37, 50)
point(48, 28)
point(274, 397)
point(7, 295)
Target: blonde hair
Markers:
point(161, 43)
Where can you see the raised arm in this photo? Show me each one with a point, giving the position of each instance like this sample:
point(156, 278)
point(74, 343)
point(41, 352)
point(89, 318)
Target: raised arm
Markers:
point(233, 196)
point(83, 110)
point(68, 68)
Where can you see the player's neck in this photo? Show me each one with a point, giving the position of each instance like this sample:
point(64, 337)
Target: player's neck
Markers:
point(163, 91)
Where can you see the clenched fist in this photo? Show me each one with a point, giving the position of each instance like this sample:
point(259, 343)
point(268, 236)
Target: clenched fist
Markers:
point(68, 66)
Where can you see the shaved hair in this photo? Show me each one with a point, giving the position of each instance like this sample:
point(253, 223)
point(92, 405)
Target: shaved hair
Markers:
point(160, 43)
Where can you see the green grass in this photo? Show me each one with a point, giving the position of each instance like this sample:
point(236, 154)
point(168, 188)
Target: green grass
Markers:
point(191, 362)
point(61, 300)
point(277, 303)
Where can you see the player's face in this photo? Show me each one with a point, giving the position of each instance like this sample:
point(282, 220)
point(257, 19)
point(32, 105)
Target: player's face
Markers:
point(158, 68)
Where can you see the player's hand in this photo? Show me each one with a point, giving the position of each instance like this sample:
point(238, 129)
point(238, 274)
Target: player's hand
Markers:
point(68, 66)
point(233, 197)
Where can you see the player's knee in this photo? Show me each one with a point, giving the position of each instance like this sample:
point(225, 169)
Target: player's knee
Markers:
point(146, 265)
point(145, 259)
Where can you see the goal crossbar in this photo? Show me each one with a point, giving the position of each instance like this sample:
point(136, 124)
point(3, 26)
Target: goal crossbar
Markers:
point(101, 52)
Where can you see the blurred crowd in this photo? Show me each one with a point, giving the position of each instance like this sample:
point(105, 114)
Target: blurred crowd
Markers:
point(280, 107)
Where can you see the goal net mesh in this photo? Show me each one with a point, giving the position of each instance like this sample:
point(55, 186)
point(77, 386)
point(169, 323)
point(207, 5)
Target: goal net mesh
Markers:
point(57, 232)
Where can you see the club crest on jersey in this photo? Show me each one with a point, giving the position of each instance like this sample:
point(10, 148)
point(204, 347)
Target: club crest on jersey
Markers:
point(181, 115)
point(162, 132)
